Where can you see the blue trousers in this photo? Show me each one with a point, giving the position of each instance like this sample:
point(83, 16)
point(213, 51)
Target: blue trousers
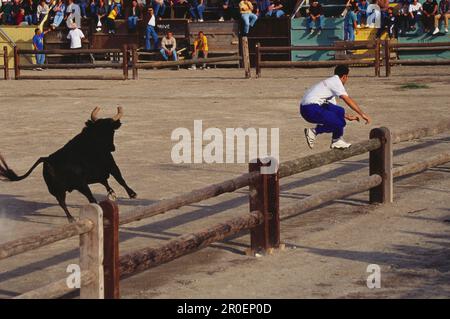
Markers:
point(132, 22)
point(349, 33)
point(197, 11)
point(166, 57)
point(249, 21)
point(311, 23)
point(40, 59)
point(159, 9)
point(328, 117)
point(151, 33)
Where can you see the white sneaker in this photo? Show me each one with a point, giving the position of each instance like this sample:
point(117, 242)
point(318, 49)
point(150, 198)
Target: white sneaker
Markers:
point(358, 26)
point(221, 19)
point(200, 20)
point(339, 143)
point(192, 68)
point(436, 31)
point(312, 31)
point(446, 30)
point(310, 136)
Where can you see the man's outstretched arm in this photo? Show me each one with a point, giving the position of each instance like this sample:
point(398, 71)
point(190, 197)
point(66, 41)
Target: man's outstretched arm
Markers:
point(352, 104)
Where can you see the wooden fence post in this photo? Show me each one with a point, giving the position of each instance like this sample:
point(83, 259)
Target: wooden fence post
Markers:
point(246, 57)
point(91, 253)
point(125, 61)
point(111, 249)
point(387, 57)
point(380, 162)
point(134, 61)
point(258, 60)
point(16, 63)
point(6, 62)
point(377, 57)
point(264, 197)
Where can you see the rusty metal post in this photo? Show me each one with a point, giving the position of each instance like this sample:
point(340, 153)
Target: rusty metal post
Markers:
point(16, 63)
point(387, 57)
point(258, 60)
point(125, 61)
point(264, 197)
point(380, 163)
point(6, 62)
point(111, 249)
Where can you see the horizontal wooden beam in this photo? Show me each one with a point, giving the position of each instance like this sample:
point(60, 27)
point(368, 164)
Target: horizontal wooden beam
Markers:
point(418, 167)
point(418, 45)
point(70, 51)
point(327, 63)
point(73, 66)
point(303, 164)
point(191, 197)
point(168, 64)
point(420, 132)
point(355, 186)
point(421, 62)
point(144, 259)
point(348, 46)
point(44, 238)
point(69, 77)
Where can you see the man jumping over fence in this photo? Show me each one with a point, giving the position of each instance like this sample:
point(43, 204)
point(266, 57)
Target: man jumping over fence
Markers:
point(319, 106)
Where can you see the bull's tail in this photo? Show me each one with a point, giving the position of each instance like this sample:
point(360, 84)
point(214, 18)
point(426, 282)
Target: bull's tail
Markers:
point(9, 175)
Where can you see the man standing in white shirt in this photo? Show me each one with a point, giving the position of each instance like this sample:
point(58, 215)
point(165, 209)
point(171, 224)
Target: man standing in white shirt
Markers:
point(319, 106)
point(75, 36)
point(150, 32)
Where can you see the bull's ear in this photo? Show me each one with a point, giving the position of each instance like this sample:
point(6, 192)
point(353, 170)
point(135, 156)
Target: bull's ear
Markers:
point(116, 124)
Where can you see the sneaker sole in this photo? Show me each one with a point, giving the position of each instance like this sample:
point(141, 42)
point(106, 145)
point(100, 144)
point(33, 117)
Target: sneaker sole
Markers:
point(339, 148)
point(307, 139)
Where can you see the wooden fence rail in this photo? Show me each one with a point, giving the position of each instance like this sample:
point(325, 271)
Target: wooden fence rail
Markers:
point(72, 52)
point(5, 63)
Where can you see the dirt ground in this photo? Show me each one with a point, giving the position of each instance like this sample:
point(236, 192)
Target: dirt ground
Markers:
point(327, 250)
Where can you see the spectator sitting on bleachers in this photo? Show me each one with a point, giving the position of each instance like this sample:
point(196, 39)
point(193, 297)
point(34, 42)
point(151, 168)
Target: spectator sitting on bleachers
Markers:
point(83, 6)
point(200, 46)
point(42, 10)
point(374, 15)
point(429, 11)
point(247, 15)
point(443, 14)
point(196, 9)
point(158, 8)
point(111, 20)
point(362, 13)
point(73, 14)
point(262, 7)
point(180, 8)
point(5, 12)
point(415, 12)
point(133, 15)
point(169, 47)
point(30, 16)
point(118, 4)
point(223, 8)
point(59, 10)
point(403, 17)
point(276, 9)
point(15, 10)
point(99, 14)
point(315, 15)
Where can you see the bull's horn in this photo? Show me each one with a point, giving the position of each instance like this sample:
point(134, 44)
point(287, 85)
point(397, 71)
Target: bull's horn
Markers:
point(119, 113)
point(94, 114)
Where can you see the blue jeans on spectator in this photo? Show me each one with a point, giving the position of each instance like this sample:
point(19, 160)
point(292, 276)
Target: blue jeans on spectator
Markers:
point(132, 22)
point(151, 33)
point(197, 11)
point(40, 59)
point(349, 33)
point(328, 117)
point(360, 16)
point(249, 21)
point(159, 9)
point(166, 57)
point(278, 13)
point(30, 19)
point(59, 17)
point(312, 22)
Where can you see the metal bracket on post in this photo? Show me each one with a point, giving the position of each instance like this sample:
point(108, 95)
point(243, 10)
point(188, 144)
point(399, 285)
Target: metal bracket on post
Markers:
point(111, 249)
point(91, 253)
point(380, 162)
point(265, 197)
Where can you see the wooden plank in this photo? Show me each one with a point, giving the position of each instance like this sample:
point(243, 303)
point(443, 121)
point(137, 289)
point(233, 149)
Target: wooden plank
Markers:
point(74, 66)
point(91, 253)
point(418, 167)
point(246, 57)
point(356, 186)
point(70, 77)
point(163, 64)
point(44, 238)
point(420, 132)
point(144, 259)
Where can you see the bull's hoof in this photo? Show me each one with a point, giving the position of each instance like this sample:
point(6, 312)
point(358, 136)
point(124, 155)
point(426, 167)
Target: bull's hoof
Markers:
point(132, 195)
point(112, 196)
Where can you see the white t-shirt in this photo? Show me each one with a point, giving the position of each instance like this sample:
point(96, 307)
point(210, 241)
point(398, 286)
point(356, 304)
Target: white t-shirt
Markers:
point(415, 7)
point(324, 91)
point(152, 21)
point(75, 36)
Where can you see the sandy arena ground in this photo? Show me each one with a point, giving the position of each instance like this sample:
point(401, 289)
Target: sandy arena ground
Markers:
point(328, 249)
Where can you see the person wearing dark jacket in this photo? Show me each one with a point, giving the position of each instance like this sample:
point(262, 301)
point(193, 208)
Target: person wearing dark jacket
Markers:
point(133, 15)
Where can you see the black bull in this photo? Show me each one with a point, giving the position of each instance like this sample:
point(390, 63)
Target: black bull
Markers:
point(84, 160)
